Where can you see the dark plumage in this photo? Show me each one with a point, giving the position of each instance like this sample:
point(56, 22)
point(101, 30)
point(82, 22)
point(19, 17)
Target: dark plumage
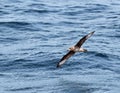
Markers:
point(76, 48)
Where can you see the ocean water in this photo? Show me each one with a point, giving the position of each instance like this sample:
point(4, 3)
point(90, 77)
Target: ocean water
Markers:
point(35, 34)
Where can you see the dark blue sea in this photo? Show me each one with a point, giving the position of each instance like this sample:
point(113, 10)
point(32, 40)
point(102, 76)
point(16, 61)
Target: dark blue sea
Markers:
point(35, 34)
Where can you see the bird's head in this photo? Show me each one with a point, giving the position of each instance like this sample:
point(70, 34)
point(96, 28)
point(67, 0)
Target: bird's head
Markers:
point(71, 48)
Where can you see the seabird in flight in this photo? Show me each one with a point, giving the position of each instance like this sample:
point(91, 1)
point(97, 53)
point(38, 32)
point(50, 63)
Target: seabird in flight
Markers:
point(74, 49)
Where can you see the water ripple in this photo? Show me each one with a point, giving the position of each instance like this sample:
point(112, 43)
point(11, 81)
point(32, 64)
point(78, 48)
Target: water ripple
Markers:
point(35, 35)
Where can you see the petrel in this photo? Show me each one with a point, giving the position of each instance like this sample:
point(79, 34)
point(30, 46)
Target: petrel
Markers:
point(74, 49)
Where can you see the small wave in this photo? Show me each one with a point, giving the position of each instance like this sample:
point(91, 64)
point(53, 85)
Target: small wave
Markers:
point(96, 8)
point(107, 56)
point(2, 75)
point(16, 24)
point(36, 11)
point(103, 55)
point(76, 7)
point(23, 89)
point(69, 23)
point(9, 39)
point(5, 75)
point(114, 36)
point(71, 13)
point(15, 64)
point(37, 5)
point(45, 23)
point(1, 54)
point(22, 60)
point(33, 65)
point(3, 13)
point(77, 87)
point(41, 11)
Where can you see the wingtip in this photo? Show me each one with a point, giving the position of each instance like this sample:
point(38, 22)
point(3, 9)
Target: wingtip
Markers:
point(58, 65)
point(93, 32)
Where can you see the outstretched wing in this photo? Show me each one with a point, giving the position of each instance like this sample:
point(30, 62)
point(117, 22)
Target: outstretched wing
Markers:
point(81, 41)
point(65, 57)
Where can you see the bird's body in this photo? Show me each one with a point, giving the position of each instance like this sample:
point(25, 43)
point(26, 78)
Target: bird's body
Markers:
point(74, 49)
point(77, 49)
